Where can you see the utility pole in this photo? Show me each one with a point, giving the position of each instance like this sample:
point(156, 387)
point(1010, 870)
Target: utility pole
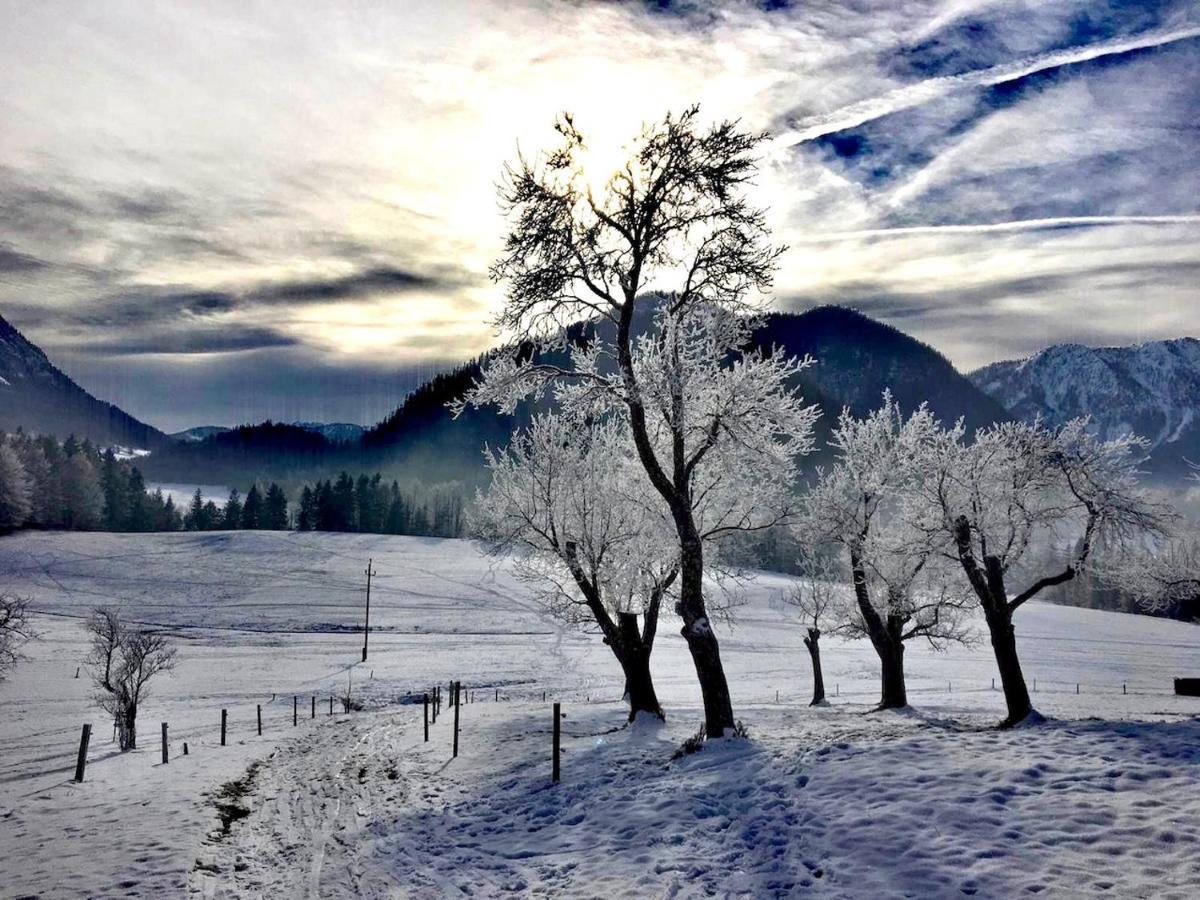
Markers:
point(367, 622)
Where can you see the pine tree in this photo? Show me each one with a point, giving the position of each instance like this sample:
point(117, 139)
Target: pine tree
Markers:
point(137, 513)
point(306, 519)
point(344, 513)
point(326, 513)
point(170, 519)
point(233, 510)
point(276, 509)
point(82, 500)
point(252, 510)
point(193, 520)
point(211, 518)
point(114, 486)
point(397, 516)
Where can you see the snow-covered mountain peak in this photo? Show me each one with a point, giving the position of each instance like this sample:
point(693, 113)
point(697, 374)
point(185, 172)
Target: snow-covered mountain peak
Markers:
point(1152, 389)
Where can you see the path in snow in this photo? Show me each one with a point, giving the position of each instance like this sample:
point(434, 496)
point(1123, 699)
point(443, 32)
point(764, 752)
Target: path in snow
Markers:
point(834, 802)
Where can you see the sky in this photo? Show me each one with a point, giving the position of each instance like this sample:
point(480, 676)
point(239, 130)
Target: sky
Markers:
point(224, 212)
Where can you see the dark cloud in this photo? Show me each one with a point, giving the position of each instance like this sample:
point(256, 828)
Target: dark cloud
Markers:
point(877, 299)
point(381, 280)
point(13, 261)
point(281, 383)
point(193, 341)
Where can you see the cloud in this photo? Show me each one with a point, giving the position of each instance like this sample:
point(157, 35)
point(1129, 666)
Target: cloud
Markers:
point(933, 89)
point(196, 340)
point(382, 280)
point(12, 261)
point(988, 174)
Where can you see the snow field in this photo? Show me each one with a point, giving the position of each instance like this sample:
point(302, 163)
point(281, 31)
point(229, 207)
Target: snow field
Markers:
point(926, 803)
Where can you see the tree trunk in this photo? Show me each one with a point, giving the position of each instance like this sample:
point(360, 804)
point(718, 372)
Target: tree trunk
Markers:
point(812, 642)
point(702, 643)
point(640, 686)
point(894, 694)
point(885, 637)
point(128, 731)
point(634, 657)
point(1012, 679)
point(992, 592)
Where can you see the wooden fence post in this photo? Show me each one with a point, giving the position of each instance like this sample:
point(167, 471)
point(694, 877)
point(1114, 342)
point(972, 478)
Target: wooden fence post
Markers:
point(425, 703)
point(164, 743)
point(81, 762)
point(259, 716)
point(456, 698)
point(314, 707)
point(497, 695)
point(224, 719)
point(185, 748)
point(331, 704)
point(295, 710)
point(557, 741)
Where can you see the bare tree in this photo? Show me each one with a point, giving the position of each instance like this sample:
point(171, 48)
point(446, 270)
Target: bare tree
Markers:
point(124, 660)
point(818, 599)
point(674, 212)
point(15, 630)
point(863, 504)
point(1018, 483)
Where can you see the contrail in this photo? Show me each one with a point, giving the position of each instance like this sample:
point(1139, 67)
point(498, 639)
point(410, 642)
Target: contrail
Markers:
point(934, 88)
point(1015, 225)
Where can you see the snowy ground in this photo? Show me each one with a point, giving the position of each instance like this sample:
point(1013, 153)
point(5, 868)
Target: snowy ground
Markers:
point(1102, 799)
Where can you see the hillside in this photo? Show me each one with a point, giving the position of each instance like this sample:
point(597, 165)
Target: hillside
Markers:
point(1152, 389)
point(858, 358)
point(37, 396)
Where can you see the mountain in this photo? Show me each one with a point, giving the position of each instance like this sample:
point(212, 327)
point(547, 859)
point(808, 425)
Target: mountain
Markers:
point(335, 432)
point(197, 433)
point(858, 358)
point(1151, 389)
point(38, 397)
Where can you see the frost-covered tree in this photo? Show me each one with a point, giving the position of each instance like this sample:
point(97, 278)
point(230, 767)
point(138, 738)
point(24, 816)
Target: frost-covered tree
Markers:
point(818, 598)
point(1164, 579)
point(15, 630)
point(82, 499)
point(15, 504)
point(593, 245)
point(568, 498)
point(124, 660)
point(1018, 484)
point(864, 504)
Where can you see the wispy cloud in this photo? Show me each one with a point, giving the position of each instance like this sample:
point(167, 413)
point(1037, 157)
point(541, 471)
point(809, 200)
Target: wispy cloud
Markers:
point(933, 89)
point(309, 189)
